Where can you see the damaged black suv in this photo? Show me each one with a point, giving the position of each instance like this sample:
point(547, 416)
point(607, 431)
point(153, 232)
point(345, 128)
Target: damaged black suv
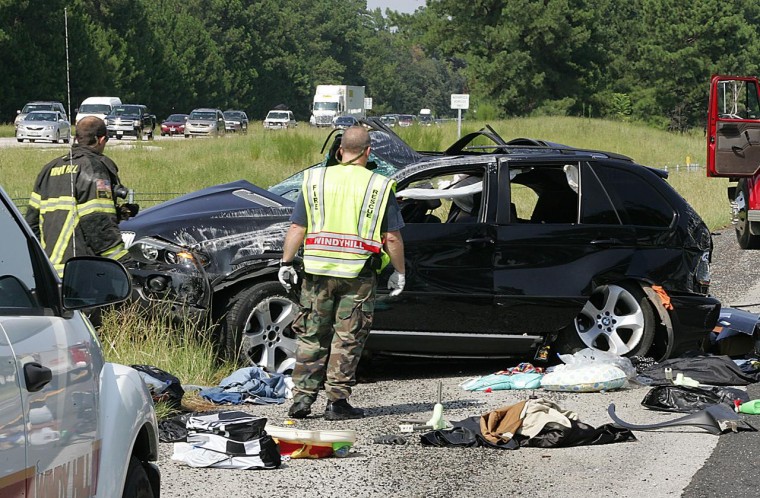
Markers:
point(512, 248)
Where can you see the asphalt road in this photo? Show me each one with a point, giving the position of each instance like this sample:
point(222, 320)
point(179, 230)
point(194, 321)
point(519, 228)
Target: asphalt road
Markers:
point(6, 142)
point(677, 462)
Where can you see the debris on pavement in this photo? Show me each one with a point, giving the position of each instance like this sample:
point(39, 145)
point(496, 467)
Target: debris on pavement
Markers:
point(228, 440)
point(535, 422)
point(715, 419)
point(250, 385)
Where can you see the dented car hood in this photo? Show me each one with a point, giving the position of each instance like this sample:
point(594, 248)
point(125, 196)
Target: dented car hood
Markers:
point(229, 224)
point(238, 224)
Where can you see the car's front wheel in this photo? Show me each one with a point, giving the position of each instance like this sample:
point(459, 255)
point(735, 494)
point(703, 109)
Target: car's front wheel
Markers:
point(137, 484)
point(617, 318)
point(256, 330)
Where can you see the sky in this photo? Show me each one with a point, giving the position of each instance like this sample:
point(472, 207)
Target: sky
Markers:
point(407, 6)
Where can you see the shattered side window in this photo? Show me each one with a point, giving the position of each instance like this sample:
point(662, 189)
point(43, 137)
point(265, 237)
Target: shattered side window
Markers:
point(453, 197)
point(543, 194)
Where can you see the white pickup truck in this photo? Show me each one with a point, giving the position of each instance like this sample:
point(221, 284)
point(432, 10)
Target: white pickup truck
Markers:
point(71, 423)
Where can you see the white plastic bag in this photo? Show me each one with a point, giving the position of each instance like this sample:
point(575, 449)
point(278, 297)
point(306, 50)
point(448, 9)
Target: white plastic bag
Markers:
point(589, 356)
point(589, 370)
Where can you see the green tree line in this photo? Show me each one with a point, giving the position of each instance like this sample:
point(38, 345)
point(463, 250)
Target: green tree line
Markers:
point(643, 60)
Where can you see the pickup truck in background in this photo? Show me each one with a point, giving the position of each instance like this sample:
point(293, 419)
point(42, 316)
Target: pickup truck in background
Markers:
point(133, 120)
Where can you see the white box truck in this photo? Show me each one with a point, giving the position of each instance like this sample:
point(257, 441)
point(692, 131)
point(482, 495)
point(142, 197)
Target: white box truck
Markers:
point(332, 101)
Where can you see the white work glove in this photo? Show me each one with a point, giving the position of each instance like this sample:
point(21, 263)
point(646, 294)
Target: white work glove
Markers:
point(396, 283)
point(287, 276)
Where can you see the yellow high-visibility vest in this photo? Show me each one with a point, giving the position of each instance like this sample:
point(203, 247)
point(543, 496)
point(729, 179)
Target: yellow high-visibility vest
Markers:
point(345, 205)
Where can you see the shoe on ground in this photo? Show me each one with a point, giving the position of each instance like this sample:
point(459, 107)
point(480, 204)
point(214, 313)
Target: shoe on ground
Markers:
point(341, 410)
point(300, 408)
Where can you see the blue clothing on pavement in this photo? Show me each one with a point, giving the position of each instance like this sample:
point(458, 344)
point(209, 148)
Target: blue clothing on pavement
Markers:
point(249, 385)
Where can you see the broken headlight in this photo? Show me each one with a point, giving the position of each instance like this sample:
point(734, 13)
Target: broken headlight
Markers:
point(154, 250)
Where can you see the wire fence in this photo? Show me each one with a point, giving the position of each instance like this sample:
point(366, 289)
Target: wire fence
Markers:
point(144, 199)
point(148, 199)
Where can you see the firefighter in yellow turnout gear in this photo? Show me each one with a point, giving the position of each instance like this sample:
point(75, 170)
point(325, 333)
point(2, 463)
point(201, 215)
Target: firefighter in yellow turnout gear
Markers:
point(73, 209)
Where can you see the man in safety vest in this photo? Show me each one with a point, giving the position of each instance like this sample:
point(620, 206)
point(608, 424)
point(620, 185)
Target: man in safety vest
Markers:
point(348, 221)
point(73, 209)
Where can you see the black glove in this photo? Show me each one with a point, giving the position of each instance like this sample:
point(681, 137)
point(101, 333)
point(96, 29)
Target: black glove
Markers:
point(128, 210)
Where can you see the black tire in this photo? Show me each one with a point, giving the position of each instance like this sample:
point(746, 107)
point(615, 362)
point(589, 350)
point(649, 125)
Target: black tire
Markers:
point(256, 328)
point(57, 137)
point(743, 235)
point(139, 134)
point(20, 140)
point(137, 484)
point(31, 141)
point(617, 318)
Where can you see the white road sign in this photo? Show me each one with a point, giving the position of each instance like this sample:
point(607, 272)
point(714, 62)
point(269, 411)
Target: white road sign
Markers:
point(368, 103)
point(460, 100)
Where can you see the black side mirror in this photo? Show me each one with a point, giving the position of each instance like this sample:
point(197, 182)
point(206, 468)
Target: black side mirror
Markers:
point(91, 281)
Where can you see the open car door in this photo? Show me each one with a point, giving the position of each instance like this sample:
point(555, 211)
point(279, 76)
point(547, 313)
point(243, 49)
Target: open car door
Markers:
point(733, 127)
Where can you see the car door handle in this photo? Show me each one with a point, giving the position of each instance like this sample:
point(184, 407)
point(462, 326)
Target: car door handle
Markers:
point(36, 376)
point(606, 242)
point(480, 240)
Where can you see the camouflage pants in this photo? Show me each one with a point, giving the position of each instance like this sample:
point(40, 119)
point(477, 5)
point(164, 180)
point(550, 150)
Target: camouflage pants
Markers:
point(331, 331)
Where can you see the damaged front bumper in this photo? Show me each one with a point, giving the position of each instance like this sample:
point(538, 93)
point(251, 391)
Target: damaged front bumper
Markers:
point(169, 279)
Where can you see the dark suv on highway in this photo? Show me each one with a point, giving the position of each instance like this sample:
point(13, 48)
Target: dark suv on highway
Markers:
point(511, 248)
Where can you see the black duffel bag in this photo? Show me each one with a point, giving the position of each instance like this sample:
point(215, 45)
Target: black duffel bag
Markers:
point(685, 399)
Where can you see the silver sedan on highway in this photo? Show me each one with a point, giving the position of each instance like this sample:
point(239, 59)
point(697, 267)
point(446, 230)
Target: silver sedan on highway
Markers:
point(44, 125)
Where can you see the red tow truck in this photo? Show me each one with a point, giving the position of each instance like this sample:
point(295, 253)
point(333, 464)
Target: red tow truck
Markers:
point(733, 150)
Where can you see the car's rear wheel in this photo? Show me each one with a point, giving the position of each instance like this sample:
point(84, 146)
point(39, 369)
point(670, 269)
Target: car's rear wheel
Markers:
point(617, 318)
point(743, 233)
point(137, 484)
point(256, 330)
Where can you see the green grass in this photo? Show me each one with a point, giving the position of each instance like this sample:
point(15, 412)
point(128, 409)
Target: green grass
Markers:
point(131, 337)
point(265, 157)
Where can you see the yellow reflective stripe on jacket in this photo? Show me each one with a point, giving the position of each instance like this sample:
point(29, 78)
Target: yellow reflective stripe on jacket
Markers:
point(67, 231)
point(63, 203)
point(59, 269)
point(345, 206)
point(313, 191)
point(116, 252)
point(34, 200)
point(335, 268)
point(97, 206)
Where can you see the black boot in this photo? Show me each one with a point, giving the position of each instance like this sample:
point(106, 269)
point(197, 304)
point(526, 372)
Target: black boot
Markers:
point(341, 410)
point(300, 408)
